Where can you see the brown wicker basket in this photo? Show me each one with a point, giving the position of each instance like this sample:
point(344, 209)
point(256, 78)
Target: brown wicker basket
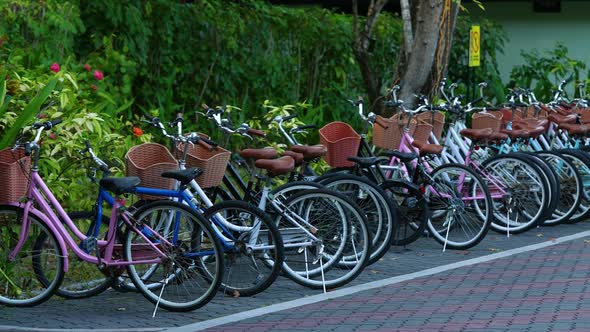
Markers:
point(341, 141)
point(487, 119)
point(391, 137)
point(436, 119)
point(13, 179)
point(147, 161)
point(212, 163)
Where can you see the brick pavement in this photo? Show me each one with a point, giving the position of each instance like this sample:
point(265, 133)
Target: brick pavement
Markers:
point(464, 298)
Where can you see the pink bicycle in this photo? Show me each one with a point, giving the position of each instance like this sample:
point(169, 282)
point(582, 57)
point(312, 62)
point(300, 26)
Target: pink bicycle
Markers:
point(161, 247)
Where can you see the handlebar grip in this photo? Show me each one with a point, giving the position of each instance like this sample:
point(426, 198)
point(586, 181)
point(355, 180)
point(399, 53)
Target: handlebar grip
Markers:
point(28, 149)
point(149, 117)
point(88, 147)
point(53, 123)
point(204, 144)
point(104, 168)
point(289, 117)
point(476, 100)
point(381, 123)
point(256, 132)
point(304, 127)
point(392, 103)
point(208, 141)
point(205, 107)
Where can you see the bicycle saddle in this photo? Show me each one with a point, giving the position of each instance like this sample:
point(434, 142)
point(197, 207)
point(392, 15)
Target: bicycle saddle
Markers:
point(368, 161)
point(560, 119)
point(310, 152)
point(403, 156)
point(477, 134)
point(266, 153)
point(183, 175)
point(279, 166)
point(426, 149)
point(298, 157)
point(120, 185)
point(574, 129)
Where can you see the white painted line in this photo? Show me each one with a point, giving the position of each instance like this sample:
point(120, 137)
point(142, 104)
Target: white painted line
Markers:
point(320, 297)
point(367, 286)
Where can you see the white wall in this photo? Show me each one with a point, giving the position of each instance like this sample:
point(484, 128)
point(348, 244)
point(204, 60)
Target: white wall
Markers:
point(528, 30)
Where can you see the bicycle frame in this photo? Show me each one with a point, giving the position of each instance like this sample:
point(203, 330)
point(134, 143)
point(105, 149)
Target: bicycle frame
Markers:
point(37, 192)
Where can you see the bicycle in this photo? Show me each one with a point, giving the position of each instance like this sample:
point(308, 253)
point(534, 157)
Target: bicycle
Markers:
point(170, 256)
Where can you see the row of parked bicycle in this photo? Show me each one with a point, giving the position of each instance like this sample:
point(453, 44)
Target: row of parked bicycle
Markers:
point(207, 221)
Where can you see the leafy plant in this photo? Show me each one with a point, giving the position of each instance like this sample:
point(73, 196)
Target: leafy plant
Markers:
point(542, 71)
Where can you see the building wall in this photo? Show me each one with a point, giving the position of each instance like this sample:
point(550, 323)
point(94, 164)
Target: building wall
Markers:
point(528, 30)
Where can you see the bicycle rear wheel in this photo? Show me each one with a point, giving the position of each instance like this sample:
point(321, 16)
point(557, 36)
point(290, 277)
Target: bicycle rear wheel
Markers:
point(38, 268)
point(374, 203)
point(412, 211)
point(184, 237)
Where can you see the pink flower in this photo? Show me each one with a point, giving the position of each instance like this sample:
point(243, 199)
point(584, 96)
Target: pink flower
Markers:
point(52, 136)
point(94, 87)
point(54, 67)
point(98, 75)
point(87, 67)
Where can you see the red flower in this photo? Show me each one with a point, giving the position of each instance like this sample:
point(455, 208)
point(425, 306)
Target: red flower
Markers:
point(137, 132)
point(54, 67)
point(52, 136)
point(87, 67)
point(42, 116)
point(94, 87)
point(98, 75)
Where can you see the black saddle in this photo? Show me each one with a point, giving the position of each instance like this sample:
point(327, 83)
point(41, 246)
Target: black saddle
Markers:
point(184, 176)
point(403, 156)
point(368, 161)
point(120, 185)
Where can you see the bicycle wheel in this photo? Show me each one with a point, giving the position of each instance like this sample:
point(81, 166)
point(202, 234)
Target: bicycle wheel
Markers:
point(247, 254)
point(325, 236)
point(582, 163)
point(21, 284)
point(412, 211)
point(373, 201)
point(519, 190)
point(570, 184)
point(83, 279)
point(550, 177)
point(461, 206)
point(184, 237)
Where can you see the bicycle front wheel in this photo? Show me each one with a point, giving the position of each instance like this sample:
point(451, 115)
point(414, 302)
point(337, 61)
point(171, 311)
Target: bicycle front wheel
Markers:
point(182, 238)
point(461, 206)
point(253, 247)
point(325, 236)
point(37, 270)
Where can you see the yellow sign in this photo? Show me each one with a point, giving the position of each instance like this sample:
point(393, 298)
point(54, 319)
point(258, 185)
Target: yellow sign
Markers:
point(474, 49)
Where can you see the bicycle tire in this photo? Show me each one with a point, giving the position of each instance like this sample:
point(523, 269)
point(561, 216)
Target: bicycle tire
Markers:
point(582, 162)
point(184, 237)
point(374, 202)
point(337, 217)
point(23, 270)
point(412, 211)
point(247, 271)
point(452, 209)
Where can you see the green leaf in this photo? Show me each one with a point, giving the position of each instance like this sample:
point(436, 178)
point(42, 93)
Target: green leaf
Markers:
point(28, 113)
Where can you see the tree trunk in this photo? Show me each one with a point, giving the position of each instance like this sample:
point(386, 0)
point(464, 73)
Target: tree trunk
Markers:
point(415, 70)
point(361, 47)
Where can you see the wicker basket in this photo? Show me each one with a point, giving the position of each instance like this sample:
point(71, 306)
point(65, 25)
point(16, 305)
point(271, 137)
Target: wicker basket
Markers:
point(487, 119)
point(436, 119)
point(212, 163)
point(391, 137)
point(147, 161)
point(341, 141)
point(13, 179)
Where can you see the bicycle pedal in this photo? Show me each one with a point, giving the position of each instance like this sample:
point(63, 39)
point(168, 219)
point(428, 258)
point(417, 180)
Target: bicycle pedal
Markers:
point(89, 244)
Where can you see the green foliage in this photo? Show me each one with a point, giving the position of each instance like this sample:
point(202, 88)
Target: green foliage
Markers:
point(493, 39)
point(542, 71)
